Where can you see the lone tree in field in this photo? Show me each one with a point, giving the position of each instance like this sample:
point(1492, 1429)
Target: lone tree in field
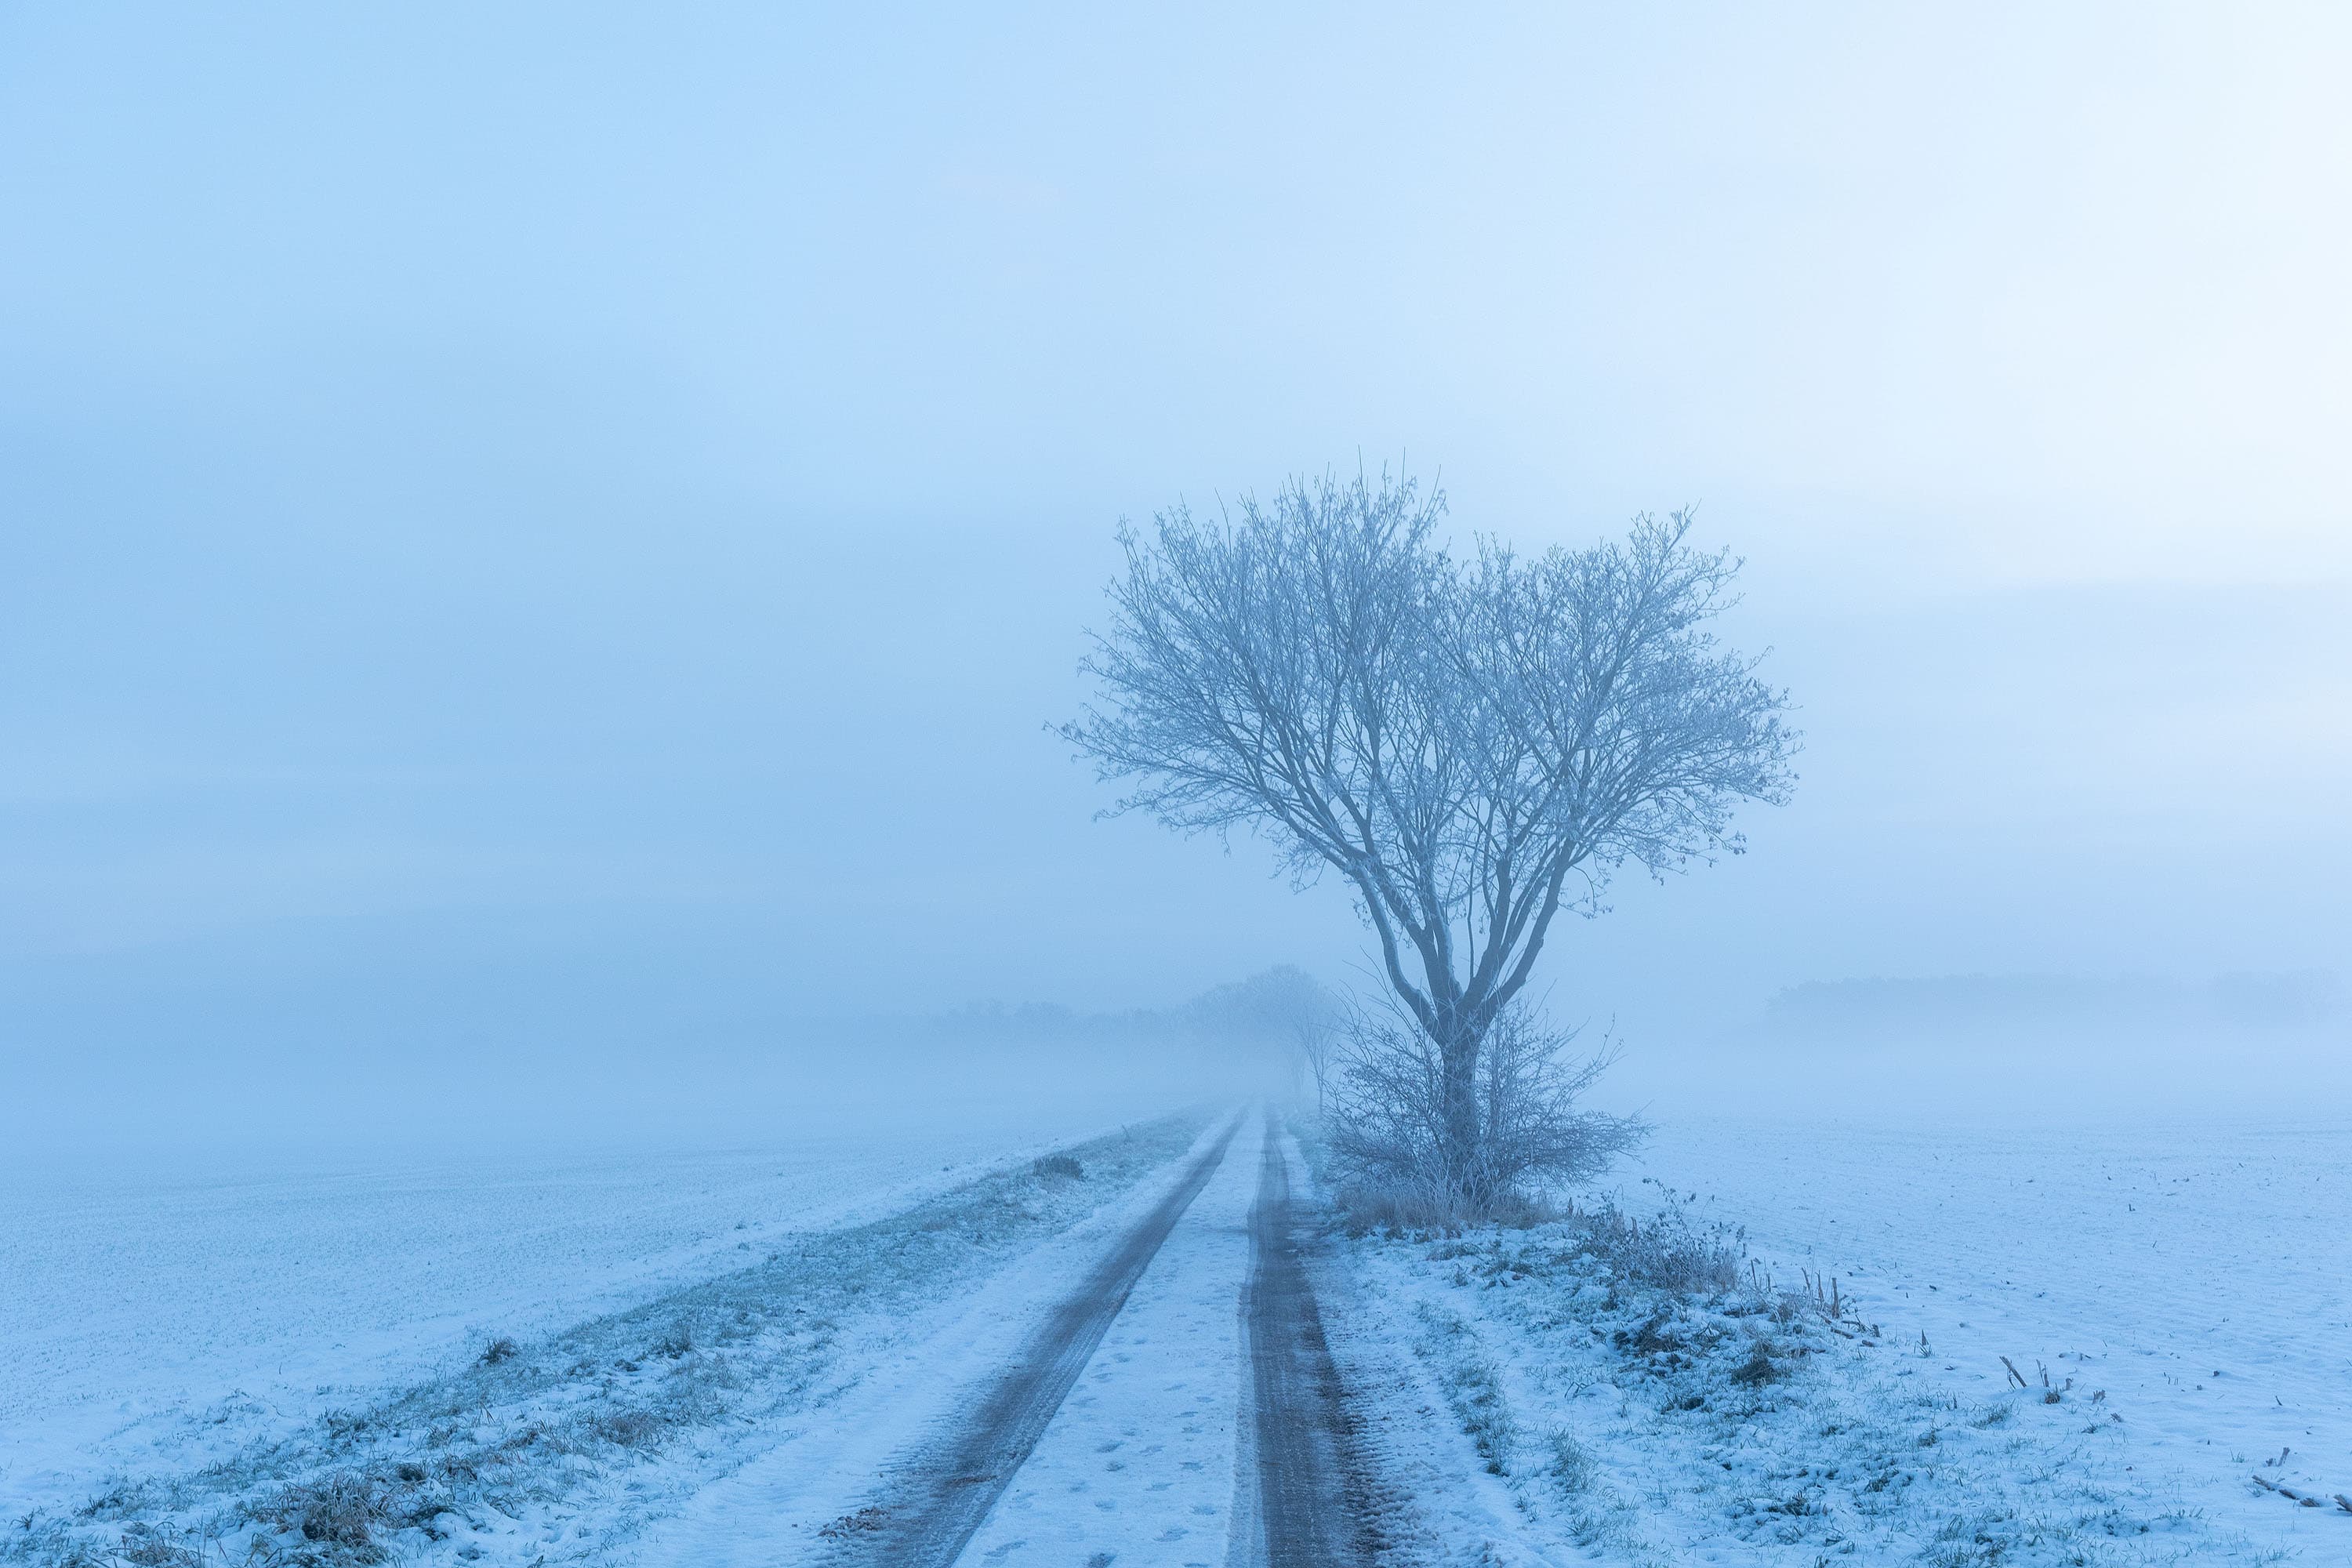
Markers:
point(1475, 742)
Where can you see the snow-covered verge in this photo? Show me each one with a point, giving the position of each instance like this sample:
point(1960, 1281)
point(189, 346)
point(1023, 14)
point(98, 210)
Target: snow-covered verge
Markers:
point(1548, 1407)
point(2195, 1269)
point(139, 1285)
point(563, 1445)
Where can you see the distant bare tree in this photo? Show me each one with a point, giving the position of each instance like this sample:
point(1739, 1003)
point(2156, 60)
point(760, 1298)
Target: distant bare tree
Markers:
point(1476, 745)
point(1317, 1037)
point(1285, 1006)
point(1309, 1017)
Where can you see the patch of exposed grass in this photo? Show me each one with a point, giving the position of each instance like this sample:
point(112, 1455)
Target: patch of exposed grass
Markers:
point(1471, 1384)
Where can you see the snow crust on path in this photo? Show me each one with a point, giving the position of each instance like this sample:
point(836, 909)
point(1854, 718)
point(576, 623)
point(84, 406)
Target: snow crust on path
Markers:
point(132, 1297)
point(1139, 1466)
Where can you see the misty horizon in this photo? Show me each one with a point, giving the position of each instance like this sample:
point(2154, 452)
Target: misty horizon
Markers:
point(657, 587)
point(1303, 787)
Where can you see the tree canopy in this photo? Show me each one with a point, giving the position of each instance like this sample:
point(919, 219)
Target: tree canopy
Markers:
point(1474, 741)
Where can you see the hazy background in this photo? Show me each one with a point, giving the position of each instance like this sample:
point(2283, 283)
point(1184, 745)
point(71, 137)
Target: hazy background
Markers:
point(544, 536)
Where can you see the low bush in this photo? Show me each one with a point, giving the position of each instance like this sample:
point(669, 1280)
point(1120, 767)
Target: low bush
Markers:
point(1399, 1142)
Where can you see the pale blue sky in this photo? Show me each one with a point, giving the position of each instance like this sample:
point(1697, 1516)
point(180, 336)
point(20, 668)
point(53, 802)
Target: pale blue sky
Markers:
point(543, 520)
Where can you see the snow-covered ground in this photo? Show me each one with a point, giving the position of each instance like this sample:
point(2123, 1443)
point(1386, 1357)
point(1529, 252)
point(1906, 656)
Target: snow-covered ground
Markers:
point(1138, 1464)
point(134, 1296)
point(565, 1446)
point(721, 1348)
point(2199, 1272)
point(2186, 1287)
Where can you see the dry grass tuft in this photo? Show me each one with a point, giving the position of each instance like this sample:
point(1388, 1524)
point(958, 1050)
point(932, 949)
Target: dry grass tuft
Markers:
point(1670, 1250)
point(1419, 1208)
point(341, 1510)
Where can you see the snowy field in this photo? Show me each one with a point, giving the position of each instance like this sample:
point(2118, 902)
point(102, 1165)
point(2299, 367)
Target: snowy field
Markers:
point(2176, 1297)
point(2199, 1273)
point(132, 1297)
point(2181, 1286)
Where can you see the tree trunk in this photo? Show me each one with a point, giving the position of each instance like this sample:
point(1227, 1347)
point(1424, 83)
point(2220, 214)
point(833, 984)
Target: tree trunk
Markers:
point(1458, 1087)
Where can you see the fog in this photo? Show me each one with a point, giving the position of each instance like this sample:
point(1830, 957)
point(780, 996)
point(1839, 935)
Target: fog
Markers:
point(538, 550)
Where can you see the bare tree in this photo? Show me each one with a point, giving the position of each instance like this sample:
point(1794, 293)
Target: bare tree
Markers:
point(1308, 1017)
point(1476, 745)
point(1317, 1035)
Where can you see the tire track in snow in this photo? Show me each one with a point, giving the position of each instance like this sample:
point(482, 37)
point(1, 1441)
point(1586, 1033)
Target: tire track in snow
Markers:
point(1313, 1504)
point(945, 1492)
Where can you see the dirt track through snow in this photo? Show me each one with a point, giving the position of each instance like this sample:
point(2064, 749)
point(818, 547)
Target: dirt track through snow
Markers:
point(1181, 1406)
point(939, 1498)
point(1310, 1510)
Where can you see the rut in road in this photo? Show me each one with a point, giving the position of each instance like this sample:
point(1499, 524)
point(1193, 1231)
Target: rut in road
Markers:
point(1314, 1507)
point(941, 1495)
